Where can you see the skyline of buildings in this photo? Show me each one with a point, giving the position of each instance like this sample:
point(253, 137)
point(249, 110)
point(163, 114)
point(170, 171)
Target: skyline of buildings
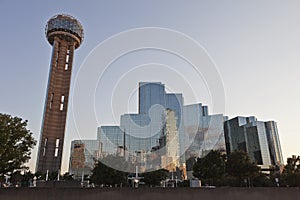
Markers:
point(157, 138)
point(235, 64)
point(140, 135)
point(144, 132)
point(163, 127)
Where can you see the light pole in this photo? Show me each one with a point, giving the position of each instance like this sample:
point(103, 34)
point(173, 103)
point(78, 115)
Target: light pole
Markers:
point(277, 182)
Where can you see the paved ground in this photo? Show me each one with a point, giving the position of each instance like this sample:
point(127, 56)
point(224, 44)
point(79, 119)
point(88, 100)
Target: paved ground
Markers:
point(150, 193)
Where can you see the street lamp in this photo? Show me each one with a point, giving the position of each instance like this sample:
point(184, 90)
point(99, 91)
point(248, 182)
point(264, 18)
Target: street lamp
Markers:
point(277, 182)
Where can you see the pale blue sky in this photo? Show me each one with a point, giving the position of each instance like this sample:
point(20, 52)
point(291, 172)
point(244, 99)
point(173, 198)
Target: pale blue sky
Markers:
point(255, 45)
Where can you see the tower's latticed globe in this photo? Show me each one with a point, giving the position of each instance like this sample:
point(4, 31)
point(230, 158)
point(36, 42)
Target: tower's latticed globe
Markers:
point(66, 28)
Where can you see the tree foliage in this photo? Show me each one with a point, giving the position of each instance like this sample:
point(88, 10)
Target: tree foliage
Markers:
point(16, 143)
point(291, 174)
point(21, 178)
point(240, 166)
point(155, 177)
point(103, 174)
point(211, 167)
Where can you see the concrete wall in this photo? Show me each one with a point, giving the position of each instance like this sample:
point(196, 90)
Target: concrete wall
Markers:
point(150, 193)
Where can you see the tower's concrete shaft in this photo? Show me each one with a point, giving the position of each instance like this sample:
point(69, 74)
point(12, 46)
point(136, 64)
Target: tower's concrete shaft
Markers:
point(65, 34)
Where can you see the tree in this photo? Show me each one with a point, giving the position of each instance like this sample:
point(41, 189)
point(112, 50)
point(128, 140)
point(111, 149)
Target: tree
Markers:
point(240, 166)
point(291, 172)
point(21, 178)
point(16, 143)
point(155, 177)
point(210, 168)
point(103, 174)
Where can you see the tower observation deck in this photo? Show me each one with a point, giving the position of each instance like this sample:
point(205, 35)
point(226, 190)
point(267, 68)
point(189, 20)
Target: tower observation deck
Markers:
point(65, 34)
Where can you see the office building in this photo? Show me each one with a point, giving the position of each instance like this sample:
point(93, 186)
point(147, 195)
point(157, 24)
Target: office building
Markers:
point(259, 139)
point(154, 100)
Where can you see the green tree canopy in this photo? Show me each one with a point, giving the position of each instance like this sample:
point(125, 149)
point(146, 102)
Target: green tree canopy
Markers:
point(239, 165)
point(293, 164)
point(291, 172)
point(154, 177)
point(16, 143)
point(103, 174)
point(211, 167)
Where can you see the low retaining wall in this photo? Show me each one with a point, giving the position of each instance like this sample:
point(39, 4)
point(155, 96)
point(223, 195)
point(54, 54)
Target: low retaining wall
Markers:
point(149, 193)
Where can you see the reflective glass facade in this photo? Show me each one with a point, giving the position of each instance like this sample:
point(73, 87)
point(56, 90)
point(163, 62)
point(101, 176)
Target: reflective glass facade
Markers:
point(203, 132)
point(83, 155)
point(263, 143)
point(175, 103)
point(142, 134)
point(274, 143)
point(170, 142)
point(153, 98)
point(164, 131)
point(143, 131)
point(151, 94)
point(249, 135)
point(153, 101)
point(111, 139)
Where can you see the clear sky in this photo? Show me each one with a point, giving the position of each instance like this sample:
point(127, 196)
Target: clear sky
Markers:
point(254, 44)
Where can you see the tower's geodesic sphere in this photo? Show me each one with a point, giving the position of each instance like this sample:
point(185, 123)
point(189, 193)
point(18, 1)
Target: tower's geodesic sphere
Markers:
point(65, 27)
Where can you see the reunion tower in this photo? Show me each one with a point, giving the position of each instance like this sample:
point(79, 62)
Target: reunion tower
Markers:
point(65, 34)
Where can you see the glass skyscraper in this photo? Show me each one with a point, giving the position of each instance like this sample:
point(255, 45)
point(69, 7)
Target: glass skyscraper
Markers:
point(153, 98)
point(274, 143)
point(259, 139)
point(153, 101)
point(151, 94)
